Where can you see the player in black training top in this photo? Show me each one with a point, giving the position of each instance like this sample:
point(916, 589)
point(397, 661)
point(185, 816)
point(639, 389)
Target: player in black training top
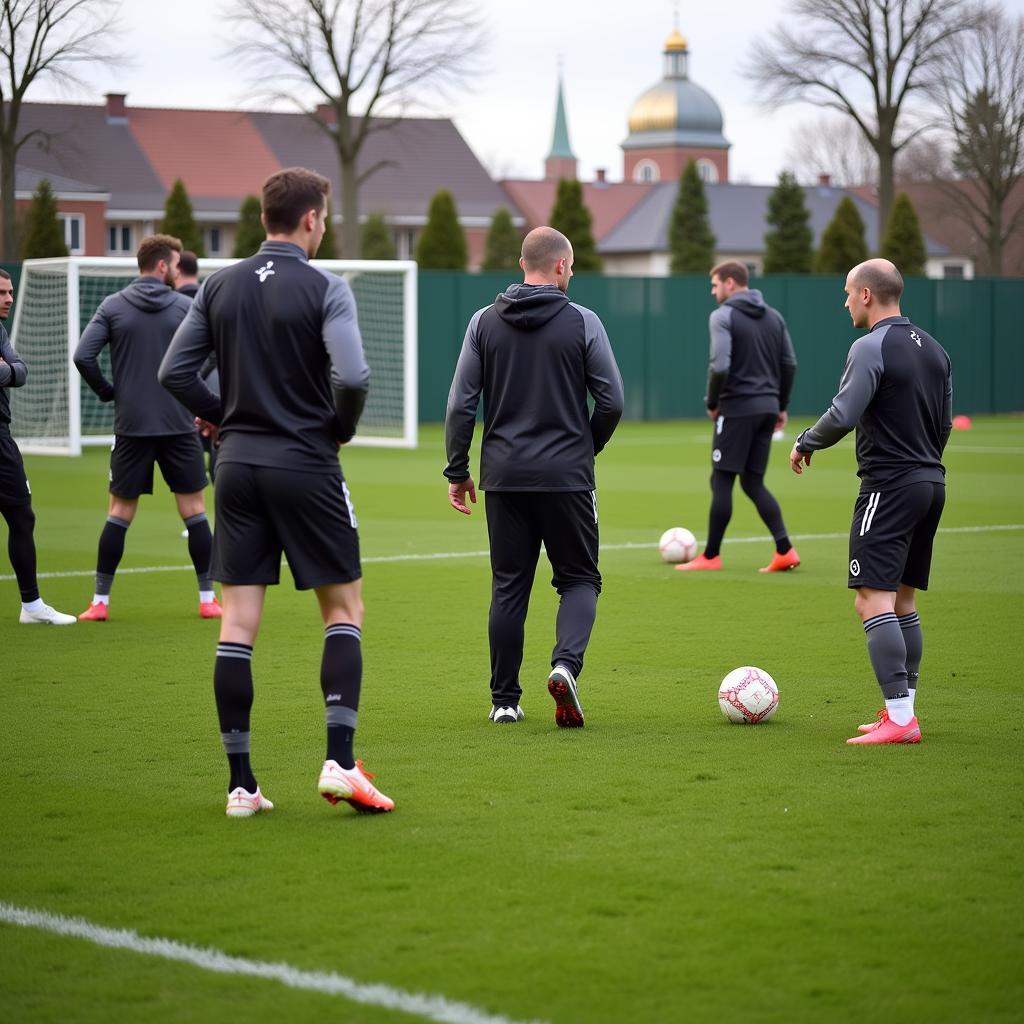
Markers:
point(897, 391)
point(150, 428)
point(749, 380)
point(534, 357)
point(293, 381)
point(15, 496)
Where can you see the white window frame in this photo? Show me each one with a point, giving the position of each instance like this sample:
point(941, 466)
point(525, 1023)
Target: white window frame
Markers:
point(66, 220)
point(119, 228)
point(707, 170)
point(646, 172)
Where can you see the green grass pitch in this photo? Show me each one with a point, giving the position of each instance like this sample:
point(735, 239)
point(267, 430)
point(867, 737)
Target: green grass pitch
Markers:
point(660, 865)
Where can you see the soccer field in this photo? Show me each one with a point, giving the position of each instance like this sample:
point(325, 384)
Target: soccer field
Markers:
point(659, 865)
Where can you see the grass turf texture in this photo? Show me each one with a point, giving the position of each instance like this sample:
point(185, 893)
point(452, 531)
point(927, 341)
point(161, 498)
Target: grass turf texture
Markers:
point(660, 865)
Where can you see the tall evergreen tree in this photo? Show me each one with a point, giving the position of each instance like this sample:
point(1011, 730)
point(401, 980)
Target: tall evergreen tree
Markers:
point(504, 244)
point(842, 242)
point(376, 240)
point(44, 235)
point(328, 246)
point(903, 242)
point(571, 216)
point(691, 244)
point(178, 220)
point(250, 234)
point(443, 242)
point(787, 248)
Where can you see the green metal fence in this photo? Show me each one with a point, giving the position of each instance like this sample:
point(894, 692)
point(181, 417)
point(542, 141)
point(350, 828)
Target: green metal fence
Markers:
point(658, 328)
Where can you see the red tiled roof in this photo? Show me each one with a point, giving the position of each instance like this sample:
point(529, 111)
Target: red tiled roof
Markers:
point(214, 152)
point(607, 203)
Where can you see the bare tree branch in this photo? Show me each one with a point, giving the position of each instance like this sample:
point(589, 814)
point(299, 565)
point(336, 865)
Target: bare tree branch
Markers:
point(42, 38)
point(978, 84)
point(864, 58)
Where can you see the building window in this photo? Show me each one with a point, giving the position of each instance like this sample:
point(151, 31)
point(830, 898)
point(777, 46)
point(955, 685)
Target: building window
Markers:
point(213, 241)
point(119, 239)
point(73, 225)
point(405, 243)
point(708, 172)
point(646, 172)
point(954, 270)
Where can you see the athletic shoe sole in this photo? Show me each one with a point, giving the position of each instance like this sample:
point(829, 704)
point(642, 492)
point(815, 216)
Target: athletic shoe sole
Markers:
point(562, 687)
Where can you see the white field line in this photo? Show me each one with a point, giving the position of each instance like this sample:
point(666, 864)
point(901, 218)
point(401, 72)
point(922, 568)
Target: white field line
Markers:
point(435, 1008)
point(433, 556)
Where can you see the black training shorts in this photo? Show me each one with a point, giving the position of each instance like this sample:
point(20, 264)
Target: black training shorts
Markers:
point(262, 511)
point(741, 444)
point(179, 456)
point(892, 535)
point(14, 489)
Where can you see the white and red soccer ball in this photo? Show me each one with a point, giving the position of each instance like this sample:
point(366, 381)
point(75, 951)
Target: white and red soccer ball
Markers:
point(678, 545)
point(748, 695)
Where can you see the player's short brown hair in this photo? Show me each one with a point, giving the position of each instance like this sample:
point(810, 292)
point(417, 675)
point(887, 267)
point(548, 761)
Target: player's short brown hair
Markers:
point(189, 263)
point(289, 194)
point(156, 248)
point(3, 273)
point(734, 269)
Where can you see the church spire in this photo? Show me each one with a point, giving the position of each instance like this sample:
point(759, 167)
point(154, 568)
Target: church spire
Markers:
point(561, 161)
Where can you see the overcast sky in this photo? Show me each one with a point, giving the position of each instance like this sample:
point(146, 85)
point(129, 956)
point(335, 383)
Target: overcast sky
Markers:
point(610, 53)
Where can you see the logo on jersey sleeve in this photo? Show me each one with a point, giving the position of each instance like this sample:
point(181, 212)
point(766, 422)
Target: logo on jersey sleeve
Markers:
point(264, 272)
point(914, 336)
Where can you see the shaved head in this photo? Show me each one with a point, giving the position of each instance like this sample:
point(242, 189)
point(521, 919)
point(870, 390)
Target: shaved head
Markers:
point(881, 277)
point(543, 247)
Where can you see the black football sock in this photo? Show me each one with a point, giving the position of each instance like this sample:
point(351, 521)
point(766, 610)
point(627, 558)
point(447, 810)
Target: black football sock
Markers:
point(111, 550)
point(721, 510)
point(341, 676)
point(21, 548)
point(232, 688)
point(200, 548)
point(914, 640)
point(888, 654)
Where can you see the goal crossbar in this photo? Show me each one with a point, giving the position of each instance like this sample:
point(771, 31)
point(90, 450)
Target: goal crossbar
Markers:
point(57, 414)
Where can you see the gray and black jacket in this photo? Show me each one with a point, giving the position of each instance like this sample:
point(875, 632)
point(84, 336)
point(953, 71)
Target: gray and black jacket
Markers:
point(752, 360)
point(293, 374)
point(137, 323)
point(13, 373)
point(534, 356)
point(897, 390)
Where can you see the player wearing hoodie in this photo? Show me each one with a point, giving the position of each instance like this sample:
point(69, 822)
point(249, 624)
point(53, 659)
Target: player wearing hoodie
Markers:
point(534, 356)
point(150, 427)
point(749, 381)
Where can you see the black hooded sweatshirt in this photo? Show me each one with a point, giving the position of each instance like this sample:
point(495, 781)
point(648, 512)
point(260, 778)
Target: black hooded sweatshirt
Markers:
point(752, 359)
point(137, 323)
point(534, 356)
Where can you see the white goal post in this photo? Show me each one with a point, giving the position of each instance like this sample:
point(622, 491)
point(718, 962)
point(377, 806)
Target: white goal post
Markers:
point(56, 413)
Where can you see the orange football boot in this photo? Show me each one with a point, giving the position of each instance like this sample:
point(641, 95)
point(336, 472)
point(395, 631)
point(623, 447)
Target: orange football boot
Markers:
point(780, 563)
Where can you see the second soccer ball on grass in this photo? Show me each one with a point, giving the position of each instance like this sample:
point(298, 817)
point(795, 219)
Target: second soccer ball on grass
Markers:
point(748, 695)
point(677, 545)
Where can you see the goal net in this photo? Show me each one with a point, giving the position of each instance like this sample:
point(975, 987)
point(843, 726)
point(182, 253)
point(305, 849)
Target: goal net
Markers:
point(57, 413)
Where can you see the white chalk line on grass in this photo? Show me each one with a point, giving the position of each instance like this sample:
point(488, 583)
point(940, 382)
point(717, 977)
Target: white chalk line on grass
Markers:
point(433, 556)
point(435, 1008)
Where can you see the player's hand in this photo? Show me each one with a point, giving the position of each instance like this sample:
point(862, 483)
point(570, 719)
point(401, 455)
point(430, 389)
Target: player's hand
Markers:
point(713, 414)
point(783, 419)
point(798, 459)
point(457, 494)
point(210, 430)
